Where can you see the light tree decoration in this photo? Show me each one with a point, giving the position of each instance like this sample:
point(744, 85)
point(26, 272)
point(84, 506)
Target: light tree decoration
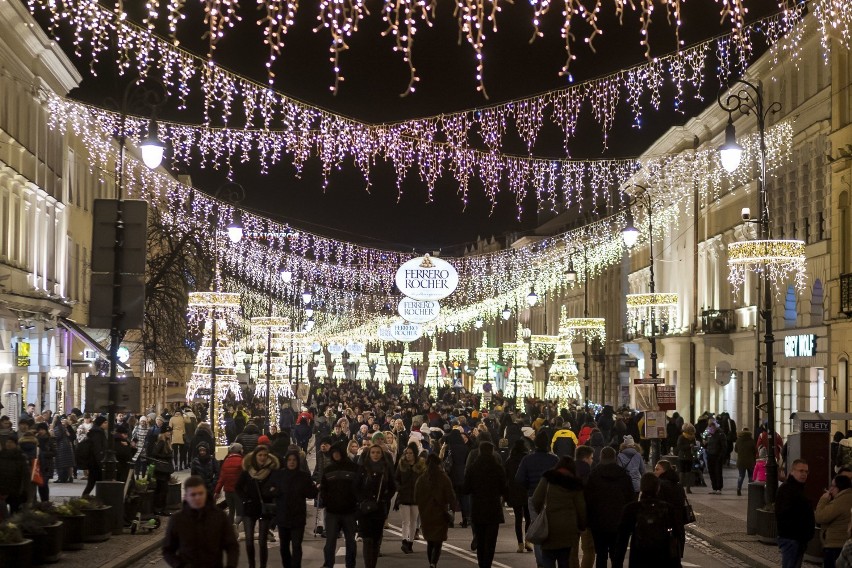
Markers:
point(406, 373)
point(271, 331)
point(214, 370)
point(361, 369)
point(321, 369)
point(563, 385)
point(519, 383)
point(435, 377)
point(381, 375)
point(485, 357)
point(338, 372)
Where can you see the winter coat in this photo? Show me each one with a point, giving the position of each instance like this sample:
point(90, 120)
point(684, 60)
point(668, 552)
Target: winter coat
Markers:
point(64, 448)
point(202, 435)
point(14, 472)
point(671, 491)
point(607, 491)
point(793, 512)
point(290, 488)
point(323, 460)
point(140, 434)
point(198, 538)
point(833, 516)
point(516, 494)
point(229, 473)
point(631, 460)
point(485, 482)
point(375, 483)
point(644, 555)
point(46, 455)
point(716, 443)
point(208, 470)
point(99, 445)
point(532, 467)
point(434, 496)
point(566, 508)
point(454, 444)
point(759, 470)
point(337, 487)
point(597, 443)
point(406, 479)
point(746, 449)
point(178, 426)
point(248, 438)
point(564, 443)
point(255, 492)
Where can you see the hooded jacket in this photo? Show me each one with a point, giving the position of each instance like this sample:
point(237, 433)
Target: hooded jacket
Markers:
point(746, 449)
point(631, 460)
point(291, 487)
point(253, 485)
point(197, 537)
point(406, 479)
point(485, 482)
point(562, 492)
point(607, 491)
point(338, 485)
point(248, 438)
point(229, 473)
point(533, 467)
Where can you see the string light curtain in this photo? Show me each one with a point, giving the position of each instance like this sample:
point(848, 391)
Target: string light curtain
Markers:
point(779, 258)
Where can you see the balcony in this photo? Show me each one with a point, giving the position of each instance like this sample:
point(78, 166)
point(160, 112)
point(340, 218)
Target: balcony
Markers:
point(718, 321)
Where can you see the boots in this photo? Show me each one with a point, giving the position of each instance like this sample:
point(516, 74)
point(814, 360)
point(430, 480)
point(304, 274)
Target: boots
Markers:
point(520, 547)
point(407, 546)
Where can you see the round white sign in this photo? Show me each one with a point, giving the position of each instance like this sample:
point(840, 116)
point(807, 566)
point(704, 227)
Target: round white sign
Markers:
point(385, 333)
point(418, 311)
point(335, 348)
point(355, 348)
point(427, 278)
point(316, 346)
point(406, 332)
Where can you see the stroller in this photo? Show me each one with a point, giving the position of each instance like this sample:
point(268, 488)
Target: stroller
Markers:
point(699, 462)
point(137, 505)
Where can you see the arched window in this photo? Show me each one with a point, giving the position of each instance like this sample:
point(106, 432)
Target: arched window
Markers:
point(816, 303)
point(790, 307)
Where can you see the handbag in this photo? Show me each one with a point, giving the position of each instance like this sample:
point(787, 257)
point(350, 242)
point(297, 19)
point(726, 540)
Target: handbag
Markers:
point(35, 474)
point(539, 530)
point(267, 510)
point(688, 513)
point(369, 506)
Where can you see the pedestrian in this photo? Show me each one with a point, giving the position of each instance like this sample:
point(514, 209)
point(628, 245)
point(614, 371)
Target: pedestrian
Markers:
point(408, 471)
point(485, 482)
point(94, 456)
point(14, 474)
point(205, 466)
point(532, 467)
point(685, 448)
point(229, 474)
point(607, 491)
point(435, 499)
point(323, 459)
point(453, 455)
point(630, 458)
point(137, 440)
point(161, 456)
point(648, 525)
point(178, 426)
point(583, 463)
point(253, 489)
point(671, 491)
point(746, 449)
point(375, 487)
point(559, 495)
point(199, 533)
point(716, 448)
point(337, 491)
point(248, 437)
point(794, 516)
point(833, 515)
point(46, 457)
point(516, 496)
point(291, 487)
point(64, 450)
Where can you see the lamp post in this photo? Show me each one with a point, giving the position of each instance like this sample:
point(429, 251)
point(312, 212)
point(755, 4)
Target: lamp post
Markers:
point(630, 234)
point(232, 193)
point(136, 95)
point(748, 100)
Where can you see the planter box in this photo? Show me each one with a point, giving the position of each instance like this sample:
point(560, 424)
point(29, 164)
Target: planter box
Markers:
point(48, 546)
point(74, 532)
point(174, 497)
point(18, 555)
point(98, 524)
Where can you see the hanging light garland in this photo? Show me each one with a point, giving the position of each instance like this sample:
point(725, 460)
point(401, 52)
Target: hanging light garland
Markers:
point(778, 258)
point(639, 308)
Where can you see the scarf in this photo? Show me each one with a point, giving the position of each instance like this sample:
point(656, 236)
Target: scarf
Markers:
point(261, 473)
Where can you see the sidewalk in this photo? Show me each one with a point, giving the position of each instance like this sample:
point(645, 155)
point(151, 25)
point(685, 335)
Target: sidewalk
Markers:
point(721, 521)
point(118, 551)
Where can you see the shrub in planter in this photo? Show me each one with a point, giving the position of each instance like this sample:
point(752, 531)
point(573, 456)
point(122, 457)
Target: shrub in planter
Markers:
point(44, 530)
point(15, 550)
point(73, 523)
point(98, 521)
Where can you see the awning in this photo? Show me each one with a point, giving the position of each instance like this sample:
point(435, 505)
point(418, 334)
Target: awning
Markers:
point(75, 329)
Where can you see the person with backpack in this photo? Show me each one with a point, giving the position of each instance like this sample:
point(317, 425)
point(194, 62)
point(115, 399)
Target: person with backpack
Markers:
point(630, 459)
point(205, 466)
point(559, 495)
point(564, 441)
point(453, 456)
point(229, 474)
point(648, 526)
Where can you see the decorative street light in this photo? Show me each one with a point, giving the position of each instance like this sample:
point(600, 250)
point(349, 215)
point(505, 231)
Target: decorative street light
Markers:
point(772, 259)
point(506, 313)
point(532, 297)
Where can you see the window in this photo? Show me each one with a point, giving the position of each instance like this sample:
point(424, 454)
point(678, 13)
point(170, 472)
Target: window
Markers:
point(816, 303)
point(790, 307)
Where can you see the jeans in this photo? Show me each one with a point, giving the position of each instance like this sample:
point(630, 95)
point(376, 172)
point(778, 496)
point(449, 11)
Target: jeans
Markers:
point(291, 537)
point(235, 507)
point(486, 535)
point(830, 556)
point(262, 536)
point(741, 478)
point(586, 545)
point(556, 557)
point(714, 467)
point(464, 501)
point(522, 521)
point(606, 545)
point(334, 523)
point(792, 552)
point(409, 521)
point(539, 559)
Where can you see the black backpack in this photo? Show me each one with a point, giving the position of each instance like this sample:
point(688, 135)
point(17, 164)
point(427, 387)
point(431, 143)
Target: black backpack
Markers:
point(653, 529)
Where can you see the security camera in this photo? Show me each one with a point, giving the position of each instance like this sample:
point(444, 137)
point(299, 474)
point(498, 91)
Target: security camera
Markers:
point(746, 213)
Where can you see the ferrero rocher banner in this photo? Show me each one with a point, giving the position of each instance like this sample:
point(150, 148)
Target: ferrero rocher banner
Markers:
point(427, 278)
point(418, 311)
point(406, 332)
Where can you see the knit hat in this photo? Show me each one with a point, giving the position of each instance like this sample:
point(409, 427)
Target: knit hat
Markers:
point(99, 420)
point(235, 448)
point(326, 440)
point(378, 436)
point(264, 440)
point(628, 441)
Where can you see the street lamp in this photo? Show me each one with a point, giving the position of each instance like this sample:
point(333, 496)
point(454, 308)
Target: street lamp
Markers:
point(532, 297)
point(571, 274)
point(151, 146)
point(748, 100)
point(506, 313)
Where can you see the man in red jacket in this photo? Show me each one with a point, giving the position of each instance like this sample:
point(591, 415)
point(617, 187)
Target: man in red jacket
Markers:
point(229, 473)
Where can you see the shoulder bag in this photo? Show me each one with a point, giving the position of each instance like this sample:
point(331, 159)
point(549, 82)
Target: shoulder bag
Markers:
point(369, 506)
point(688, 513)
point(538, 531)
point(267, 510)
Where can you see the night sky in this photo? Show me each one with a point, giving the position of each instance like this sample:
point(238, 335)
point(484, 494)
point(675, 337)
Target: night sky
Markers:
point(375, 76)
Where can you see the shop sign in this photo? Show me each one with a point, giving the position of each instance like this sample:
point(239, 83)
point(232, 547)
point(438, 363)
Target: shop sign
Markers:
point(406, 332)
point(800, 345)
point(418, 311)
point(667, 397)
point(22, 349)
point(427, 278)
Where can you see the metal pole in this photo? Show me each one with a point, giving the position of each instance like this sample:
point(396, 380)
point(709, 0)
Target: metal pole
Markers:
point(269, 364)
point(655, 442)
point(585, 335)
point(214, 423)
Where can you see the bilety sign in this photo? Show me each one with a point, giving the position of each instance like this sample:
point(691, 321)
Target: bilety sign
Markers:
point(427, 278)
point(418, 311)
point(406, 332)
point(386, 333)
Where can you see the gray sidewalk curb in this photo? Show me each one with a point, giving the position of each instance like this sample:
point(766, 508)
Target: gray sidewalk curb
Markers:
point(734, 550)
point(135, 553)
